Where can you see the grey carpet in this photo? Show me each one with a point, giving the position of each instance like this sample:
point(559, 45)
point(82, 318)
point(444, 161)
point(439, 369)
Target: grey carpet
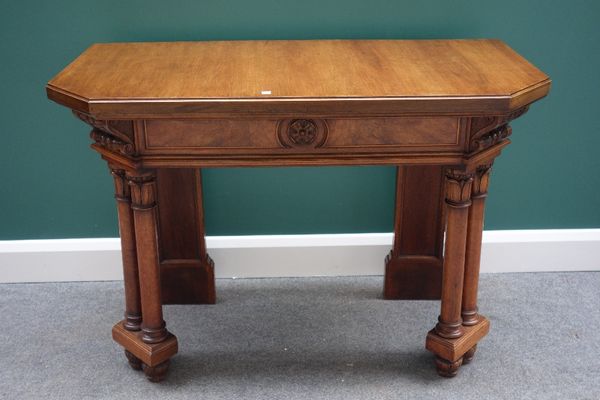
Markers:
point(317, 338)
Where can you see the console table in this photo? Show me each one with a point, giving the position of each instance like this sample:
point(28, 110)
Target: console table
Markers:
point(438, 110)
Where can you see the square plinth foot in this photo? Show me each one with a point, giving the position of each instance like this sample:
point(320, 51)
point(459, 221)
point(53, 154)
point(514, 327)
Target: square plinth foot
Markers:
point(452, 353)
point(151, 357)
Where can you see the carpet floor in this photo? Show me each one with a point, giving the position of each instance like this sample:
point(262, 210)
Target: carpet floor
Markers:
point(309, 338)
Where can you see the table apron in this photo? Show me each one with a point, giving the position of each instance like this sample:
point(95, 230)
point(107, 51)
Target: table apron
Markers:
point(300, 138)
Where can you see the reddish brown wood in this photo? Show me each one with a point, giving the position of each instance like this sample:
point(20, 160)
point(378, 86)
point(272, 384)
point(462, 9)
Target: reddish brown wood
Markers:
point(454, 339)
point(468, 357)
point(187, 272)
point(156, 373)
point(413, 269)
point(325, 136)
point(148, 353)
point(343, 77)
point(474, 236)
point(133, 307)
point(447, 369)
point(454, 349)
point(419, 105)
point(458, 200)
point(143, 203)
point(133, 361)
point(450, 353)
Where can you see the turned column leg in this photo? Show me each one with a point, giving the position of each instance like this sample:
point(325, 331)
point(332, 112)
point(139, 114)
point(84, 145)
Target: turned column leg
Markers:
point(458, 200)
point(151, 348)
point(133, 307)
point(473, 256)
point(449, 327)
point(470, 314)
point(143, 197)
point(453, 342)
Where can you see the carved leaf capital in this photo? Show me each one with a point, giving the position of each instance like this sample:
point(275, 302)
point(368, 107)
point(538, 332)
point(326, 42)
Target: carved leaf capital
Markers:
point(122, 192)
point(458, 188)
point(481, 180)
point(143, 191)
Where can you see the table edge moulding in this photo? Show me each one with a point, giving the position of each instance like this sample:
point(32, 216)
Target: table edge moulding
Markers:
point(437, 110)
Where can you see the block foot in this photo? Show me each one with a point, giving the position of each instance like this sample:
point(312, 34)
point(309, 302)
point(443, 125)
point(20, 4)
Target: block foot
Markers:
point(152, 358)
point(447, 369)
point(452, 353)
point(156, 373)
point(133, 361)
point(468, 357)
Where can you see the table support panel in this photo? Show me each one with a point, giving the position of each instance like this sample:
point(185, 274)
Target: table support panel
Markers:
point(187, 272)
point(413, 269)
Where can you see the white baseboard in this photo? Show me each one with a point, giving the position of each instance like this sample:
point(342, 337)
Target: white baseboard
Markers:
point(58, 260)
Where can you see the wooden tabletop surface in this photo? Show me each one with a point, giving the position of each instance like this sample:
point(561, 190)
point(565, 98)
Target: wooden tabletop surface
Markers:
point(147, 73)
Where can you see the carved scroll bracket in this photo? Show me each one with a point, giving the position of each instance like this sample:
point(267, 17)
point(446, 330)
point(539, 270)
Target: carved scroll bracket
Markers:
point(490, 130)
point(488, 139)
point(115, 136)
point(111, 143)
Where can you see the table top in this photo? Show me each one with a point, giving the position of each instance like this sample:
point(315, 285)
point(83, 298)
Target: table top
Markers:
point(371, 76)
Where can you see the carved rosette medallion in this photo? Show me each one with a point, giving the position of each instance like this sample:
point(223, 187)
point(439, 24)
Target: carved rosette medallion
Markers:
point(302, 133)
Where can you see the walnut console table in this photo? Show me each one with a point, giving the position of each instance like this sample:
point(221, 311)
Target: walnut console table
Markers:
point(437, 109)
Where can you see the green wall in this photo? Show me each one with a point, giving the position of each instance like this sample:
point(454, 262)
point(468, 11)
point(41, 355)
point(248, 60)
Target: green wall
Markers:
point(54, 186)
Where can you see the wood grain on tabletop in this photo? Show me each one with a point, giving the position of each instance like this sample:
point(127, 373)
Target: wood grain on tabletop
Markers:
point(306, 69)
